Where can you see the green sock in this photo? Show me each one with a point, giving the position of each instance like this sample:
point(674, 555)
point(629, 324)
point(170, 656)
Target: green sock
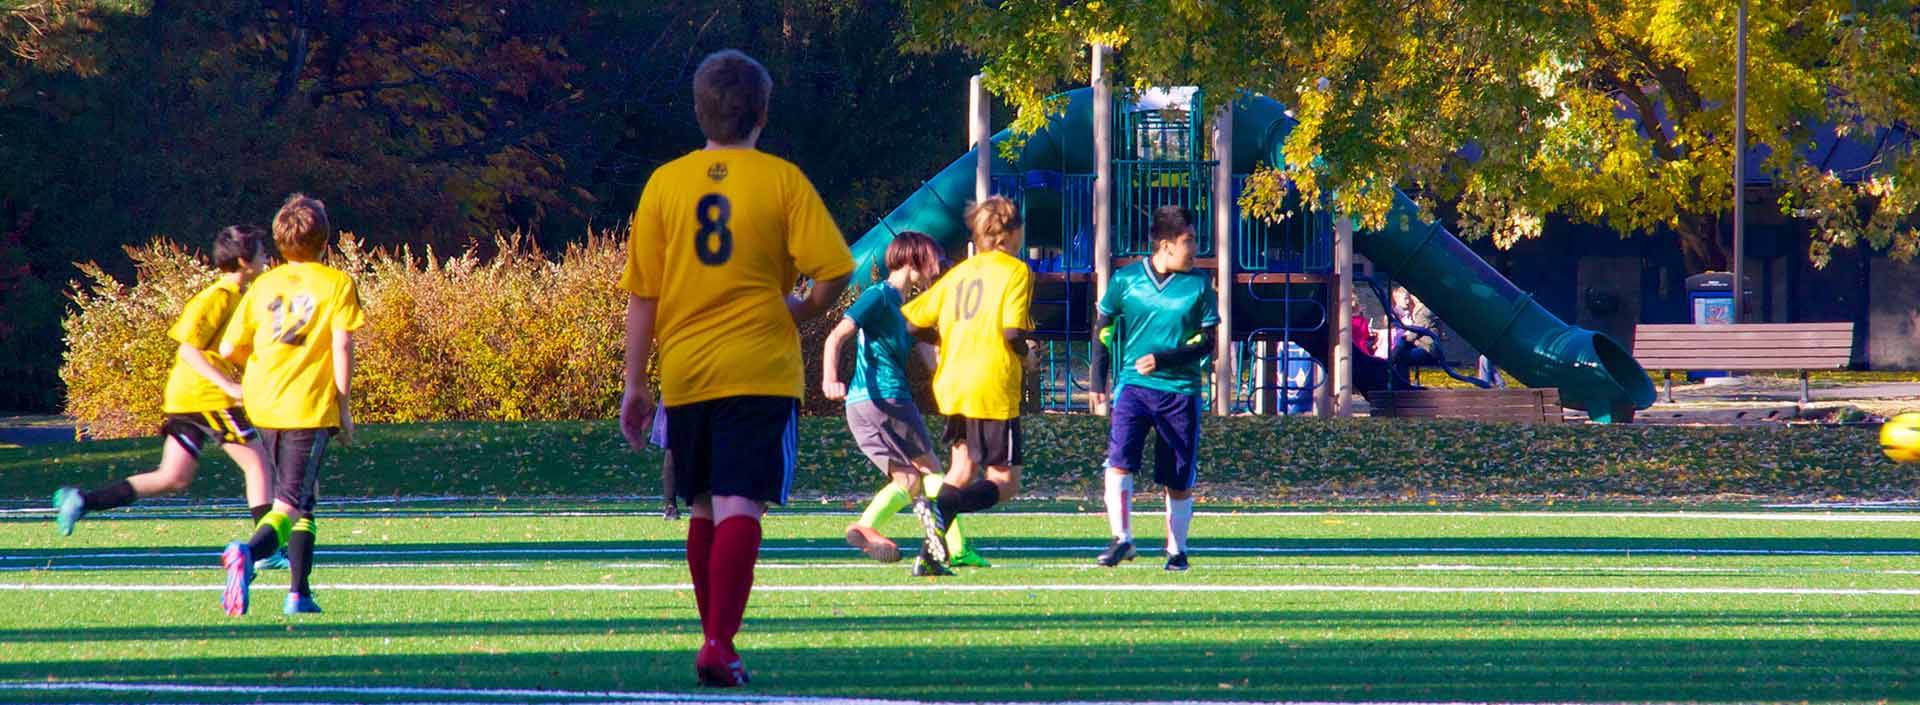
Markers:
point(956, 541)
point(887, 502)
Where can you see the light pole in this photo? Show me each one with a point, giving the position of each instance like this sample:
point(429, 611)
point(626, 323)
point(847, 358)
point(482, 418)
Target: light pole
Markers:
point(1740, 166)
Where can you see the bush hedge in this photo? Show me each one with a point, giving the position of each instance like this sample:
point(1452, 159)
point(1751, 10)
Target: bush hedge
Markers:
point(514, 335)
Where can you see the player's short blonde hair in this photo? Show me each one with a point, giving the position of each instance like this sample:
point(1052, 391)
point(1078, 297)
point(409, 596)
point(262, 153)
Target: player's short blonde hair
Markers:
point(300, 229)
point(996, 224)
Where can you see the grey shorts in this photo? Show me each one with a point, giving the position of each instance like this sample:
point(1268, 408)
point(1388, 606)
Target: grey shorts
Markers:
point(890, 432)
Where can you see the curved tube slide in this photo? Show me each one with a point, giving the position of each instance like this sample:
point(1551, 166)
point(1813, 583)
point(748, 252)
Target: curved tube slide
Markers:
point(1592, 371)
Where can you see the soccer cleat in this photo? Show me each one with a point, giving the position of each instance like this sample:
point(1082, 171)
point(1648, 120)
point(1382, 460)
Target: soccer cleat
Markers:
point(1116, 552)
point(300, 604)
point(971, 559)
point(67, 508)
point(877, 547)
point(926, 567)
point(277, 561)
point(718, 666)
point(238, 562)
point(935, 527)
point(1177, 562)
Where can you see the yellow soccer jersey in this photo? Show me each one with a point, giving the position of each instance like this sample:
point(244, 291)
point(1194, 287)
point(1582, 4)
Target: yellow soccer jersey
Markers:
point(720, 238)
point(288, 319)
point(206, 314)
point(979, 374)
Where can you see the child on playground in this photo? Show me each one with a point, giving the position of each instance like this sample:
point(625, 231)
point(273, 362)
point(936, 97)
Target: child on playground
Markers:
point(294, 329)
point(980, 314)
point(881, 412)
point(202, 400)
point(718, 239)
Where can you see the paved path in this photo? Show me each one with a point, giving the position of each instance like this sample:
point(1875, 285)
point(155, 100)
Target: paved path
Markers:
point(34, 430)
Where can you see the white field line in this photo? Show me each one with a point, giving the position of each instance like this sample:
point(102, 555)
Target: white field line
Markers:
point(516, 694)
point(498, 695)
point(1897, 516)
point(1211, 565)
point(87, 567)
point(949, 587)
point(536, 551)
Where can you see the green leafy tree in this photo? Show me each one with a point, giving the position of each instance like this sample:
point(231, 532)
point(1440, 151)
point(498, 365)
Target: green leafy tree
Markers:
point(1610, 111)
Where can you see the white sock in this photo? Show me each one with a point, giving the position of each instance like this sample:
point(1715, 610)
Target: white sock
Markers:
point(1120, 505)
point(1179, 518)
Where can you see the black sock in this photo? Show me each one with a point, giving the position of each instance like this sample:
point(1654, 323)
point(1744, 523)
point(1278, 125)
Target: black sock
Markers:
point(118, 493)
point(258, 510)
point(949, 502)
point(300, 561)
point(265, 541)
point(980, 495)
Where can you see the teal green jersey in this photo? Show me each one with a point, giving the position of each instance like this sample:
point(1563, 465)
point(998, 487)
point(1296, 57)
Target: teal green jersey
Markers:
point(1155, 314)
point(880, 358)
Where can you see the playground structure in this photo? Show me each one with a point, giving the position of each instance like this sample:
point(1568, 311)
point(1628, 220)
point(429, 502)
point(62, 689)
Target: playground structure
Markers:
point(1089, 181)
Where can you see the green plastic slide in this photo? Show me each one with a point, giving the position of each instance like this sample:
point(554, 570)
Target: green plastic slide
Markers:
point(1592, 371)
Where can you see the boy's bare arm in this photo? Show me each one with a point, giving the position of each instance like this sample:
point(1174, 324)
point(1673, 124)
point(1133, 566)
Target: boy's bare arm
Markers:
point(343, 381)
point(197, 359)
point(819, 299)
point(636, 403)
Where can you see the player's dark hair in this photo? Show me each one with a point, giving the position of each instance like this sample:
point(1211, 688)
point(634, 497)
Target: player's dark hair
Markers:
point(1170, 222)
point(915, 249)
point(235, 245)
point(730, 93)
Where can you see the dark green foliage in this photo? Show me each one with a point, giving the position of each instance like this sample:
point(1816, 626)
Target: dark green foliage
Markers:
point(418, 123)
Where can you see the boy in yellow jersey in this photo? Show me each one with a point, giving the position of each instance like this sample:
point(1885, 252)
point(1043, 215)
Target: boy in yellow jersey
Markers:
point(294, 329)
point(202, 401)
point(981, 313)
point(719, 240)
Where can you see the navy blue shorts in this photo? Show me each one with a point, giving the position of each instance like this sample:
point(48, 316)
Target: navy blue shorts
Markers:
point(1175, 418)
point(734, 447)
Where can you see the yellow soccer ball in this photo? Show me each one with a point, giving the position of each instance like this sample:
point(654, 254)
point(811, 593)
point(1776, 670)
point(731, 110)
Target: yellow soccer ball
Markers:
point(1900, 438)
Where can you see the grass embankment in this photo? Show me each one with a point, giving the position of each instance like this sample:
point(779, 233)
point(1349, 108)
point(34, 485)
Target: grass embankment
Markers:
point(1248, 460)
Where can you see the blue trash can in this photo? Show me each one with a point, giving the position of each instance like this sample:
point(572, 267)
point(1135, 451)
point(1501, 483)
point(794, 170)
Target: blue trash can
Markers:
point(1300, 377)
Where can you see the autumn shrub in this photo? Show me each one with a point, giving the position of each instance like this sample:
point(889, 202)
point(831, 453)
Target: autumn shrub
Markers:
point(510, 337)
point(118, 352)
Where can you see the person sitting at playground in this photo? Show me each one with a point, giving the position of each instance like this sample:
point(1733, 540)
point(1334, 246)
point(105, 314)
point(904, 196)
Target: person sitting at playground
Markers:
point(1411, 348)
point(1362, 328)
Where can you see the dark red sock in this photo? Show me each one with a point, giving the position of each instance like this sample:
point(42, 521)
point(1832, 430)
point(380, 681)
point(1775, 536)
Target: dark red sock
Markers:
point(699, 551)
point(736, 547)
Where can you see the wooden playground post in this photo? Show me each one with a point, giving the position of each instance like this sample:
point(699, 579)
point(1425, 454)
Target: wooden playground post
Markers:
point(1341, 373)
point(1102, 180)
point(1223, 367)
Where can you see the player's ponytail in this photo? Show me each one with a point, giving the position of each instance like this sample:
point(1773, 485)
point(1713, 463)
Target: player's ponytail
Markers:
point(996, 224)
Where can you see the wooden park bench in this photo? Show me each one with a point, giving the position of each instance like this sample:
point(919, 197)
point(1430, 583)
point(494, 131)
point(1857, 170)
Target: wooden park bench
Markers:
point(1513, 405)
point(1751, 347)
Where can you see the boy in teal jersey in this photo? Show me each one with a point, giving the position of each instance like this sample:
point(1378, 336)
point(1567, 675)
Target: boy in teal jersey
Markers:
point(1166, 327)
point(881, 413)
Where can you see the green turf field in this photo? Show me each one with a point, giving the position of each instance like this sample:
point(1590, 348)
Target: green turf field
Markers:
point(552, 602)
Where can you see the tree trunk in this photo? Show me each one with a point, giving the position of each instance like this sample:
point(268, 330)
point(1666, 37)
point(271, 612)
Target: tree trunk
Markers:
point(1700, 245)
point(296, 60)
